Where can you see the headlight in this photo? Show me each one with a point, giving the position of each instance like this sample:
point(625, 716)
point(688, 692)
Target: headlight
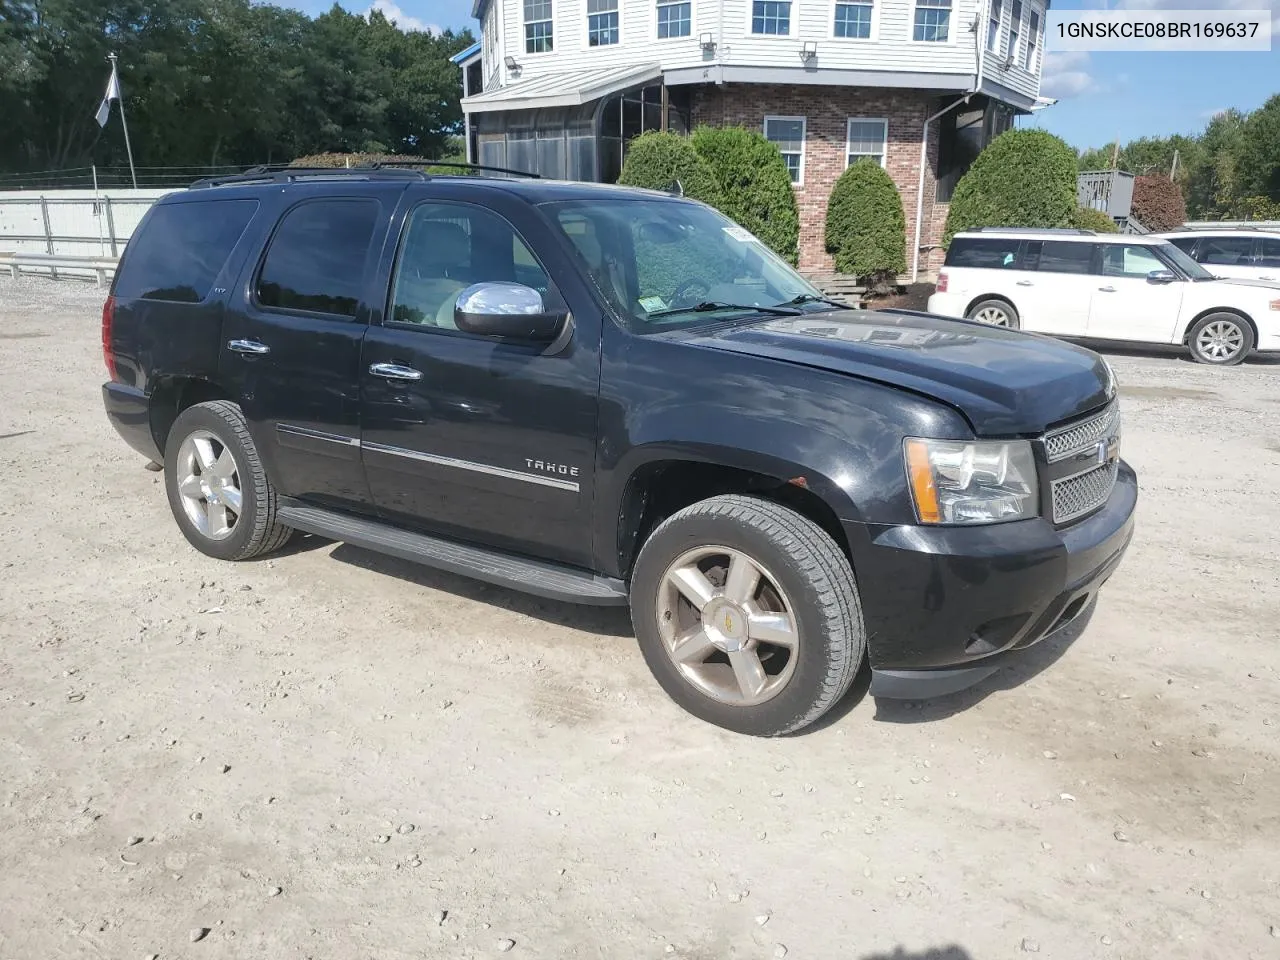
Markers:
point(977, 481)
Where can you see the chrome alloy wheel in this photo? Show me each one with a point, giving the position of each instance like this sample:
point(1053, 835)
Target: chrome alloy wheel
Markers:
point(1220, 340)
point(209, 485)
point(992, 315)
point(727, 625)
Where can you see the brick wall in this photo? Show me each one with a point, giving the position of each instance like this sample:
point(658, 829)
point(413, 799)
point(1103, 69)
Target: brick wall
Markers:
point(826, 110)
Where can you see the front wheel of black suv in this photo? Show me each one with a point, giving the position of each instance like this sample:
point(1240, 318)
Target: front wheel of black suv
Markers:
point(218, 490)
point(747, 614)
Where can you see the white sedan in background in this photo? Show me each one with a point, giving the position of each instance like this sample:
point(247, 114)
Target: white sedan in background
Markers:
point(1077, 283)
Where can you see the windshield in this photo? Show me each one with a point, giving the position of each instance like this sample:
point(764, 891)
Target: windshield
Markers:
point(1184, 262)
point(667, 264)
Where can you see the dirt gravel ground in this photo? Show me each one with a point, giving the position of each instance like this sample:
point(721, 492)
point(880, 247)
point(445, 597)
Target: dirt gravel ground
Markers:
point(329, 754)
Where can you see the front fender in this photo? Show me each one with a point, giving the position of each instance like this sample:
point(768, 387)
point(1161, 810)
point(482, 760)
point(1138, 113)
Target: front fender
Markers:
point(842, 435)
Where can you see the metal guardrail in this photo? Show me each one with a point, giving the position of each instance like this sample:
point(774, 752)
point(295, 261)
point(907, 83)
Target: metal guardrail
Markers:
point(95, 267)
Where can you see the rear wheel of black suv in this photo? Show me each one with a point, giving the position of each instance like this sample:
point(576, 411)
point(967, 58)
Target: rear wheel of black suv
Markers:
point(747, 614)
point(217, 487)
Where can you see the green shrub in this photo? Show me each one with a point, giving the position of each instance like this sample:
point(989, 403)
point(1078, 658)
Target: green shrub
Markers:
point(757, 187)
point(1158, 203)
point(866, 230)
point(657, 160)
point(1024, 178)
point(1087, 218)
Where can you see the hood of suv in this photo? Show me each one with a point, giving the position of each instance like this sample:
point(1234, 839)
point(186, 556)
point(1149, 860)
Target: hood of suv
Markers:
point(1003, 381)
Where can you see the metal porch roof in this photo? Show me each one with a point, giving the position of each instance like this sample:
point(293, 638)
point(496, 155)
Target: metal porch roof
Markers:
point(561, 89)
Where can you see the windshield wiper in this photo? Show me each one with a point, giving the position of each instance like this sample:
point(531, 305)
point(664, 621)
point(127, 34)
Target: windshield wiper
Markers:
point(707, 305)
point(813, 298)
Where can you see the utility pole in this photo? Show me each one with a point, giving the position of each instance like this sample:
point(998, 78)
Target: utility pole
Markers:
point(1173, 172)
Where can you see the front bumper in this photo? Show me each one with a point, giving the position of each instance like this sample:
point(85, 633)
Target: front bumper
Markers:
point(946, 607)
point(130, 413)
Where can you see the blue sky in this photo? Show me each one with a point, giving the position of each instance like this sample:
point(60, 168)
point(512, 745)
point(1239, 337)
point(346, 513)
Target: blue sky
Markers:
point(1101, 95)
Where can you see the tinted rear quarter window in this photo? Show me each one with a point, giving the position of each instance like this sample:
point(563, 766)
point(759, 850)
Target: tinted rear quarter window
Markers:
point(1270, 256)
point(315, 261)
point(180, 250)
point(988, 253)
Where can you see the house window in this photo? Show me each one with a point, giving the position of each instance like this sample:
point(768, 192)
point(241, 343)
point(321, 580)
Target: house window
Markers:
point(771, 17)
point(1015, 24)
point(993, 25)
point(602, 23)
point(866, 138)
point(1033, 41)
point(933, 21)
point(674, 20)
point(853, 20)
point(537, 26)
point(787, 133)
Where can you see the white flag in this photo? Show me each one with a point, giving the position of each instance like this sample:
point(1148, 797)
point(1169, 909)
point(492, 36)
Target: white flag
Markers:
point(113, 93)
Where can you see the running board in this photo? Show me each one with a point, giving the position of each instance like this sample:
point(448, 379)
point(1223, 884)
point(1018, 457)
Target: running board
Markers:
point(539, 577)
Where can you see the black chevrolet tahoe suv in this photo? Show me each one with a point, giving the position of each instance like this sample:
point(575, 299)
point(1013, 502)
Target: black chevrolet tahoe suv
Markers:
point(615, 396)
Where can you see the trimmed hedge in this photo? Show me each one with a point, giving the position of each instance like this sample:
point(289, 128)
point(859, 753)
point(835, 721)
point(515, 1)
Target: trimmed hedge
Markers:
point(1158, 203)
point(1024, 178)
point(657, 160)
point(757, 187)
point(866, 229)
point(1087, 218)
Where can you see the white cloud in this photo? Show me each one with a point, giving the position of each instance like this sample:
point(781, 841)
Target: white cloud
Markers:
point(391, 10)
point(1066, 74)
point(1272, 5)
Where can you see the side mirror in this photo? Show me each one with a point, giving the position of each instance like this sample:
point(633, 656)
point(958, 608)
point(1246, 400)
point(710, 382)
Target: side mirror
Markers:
point(510, 311)
point(1161, 276)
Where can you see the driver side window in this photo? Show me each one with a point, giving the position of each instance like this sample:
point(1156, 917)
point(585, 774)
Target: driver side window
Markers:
point(1119, 260)
point(447, 247)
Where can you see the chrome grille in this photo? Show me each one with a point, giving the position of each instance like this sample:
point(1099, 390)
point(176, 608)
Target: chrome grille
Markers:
point(1079, 437)
point(1075, 496)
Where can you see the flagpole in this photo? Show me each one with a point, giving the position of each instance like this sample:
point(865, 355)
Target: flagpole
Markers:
point(128, 149)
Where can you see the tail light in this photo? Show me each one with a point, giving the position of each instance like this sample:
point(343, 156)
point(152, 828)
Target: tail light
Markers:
point(942, 283)
point(108, 356)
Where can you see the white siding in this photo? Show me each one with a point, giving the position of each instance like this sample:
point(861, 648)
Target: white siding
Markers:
point(890, 47)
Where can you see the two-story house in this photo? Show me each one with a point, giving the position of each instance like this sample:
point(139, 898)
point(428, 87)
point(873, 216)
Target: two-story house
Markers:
point(559, 87)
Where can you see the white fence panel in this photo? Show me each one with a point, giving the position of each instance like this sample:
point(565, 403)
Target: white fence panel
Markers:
point(75, 223)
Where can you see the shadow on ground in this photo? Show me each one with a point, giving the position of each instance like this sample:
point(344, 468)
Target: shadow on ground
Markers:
point(951, 952)
point(608, 621)
point(616, 622)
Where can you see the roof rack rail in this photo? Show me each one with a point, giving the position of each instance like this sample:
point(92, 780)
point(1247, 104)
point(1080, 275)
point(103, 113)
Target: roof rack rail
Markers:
point(1252, 228)
point(1049, 231)
point(262, 174)
point(452, 164)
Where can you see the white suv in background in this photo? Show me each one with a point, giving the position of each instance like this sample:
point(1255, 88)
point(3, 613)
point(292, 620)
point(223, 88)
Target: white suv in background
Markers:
point(1077, 283)
point(1246, 253)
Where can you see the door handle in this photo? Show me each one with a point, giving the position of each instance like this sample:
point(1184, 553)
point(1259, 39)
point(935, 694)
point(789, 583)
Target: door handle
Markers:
point(1107, 289)
point(1025, 283)
point(252, 347)
point(395, 371)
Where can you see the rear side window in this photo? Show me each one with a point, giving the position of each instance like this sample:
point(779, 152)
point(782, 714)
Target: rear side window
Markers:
point(989, 253)
point(1063, 256)
point(181, 249)
point(1270, 252)
point(315, 262)
point(1226, 251)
